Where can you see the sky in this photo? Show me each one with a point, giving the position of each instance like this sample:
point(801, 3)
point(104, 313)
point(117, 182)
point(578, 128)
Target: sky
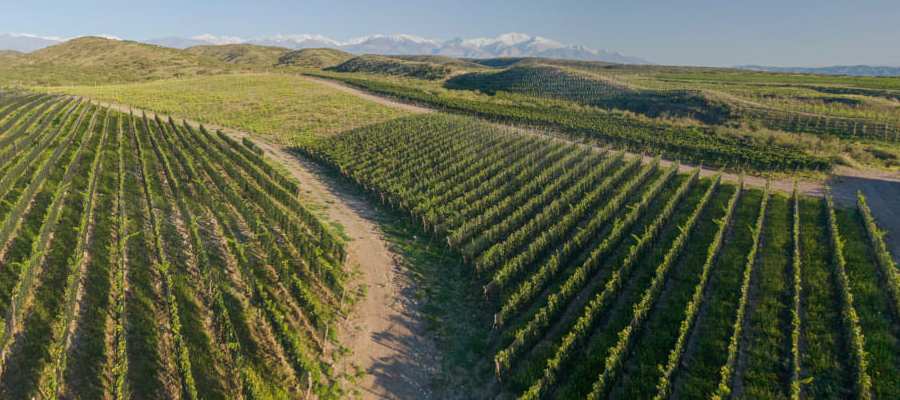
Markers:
point(685, 32)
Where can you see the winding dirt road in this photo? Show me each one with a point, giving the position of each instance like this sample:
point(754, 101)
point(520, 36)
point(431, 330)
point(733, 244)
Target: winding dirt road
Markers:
point(385, 333)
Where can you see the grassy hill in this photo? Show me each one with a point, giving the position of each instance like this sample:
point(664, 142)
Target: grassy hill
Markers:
point(241, 54)
point(395, 66)
point(443, 60)
point(313, 58)
point(561, 83)
point(93, 60)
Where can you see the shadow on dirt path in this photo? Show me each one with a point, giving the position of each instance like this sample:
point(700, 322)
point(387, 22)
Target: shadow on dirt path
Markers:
point(882, 191)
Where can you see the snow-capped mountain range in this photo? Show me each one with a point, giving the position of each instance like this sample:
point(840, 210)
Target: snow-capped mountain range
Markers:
point(505, 45)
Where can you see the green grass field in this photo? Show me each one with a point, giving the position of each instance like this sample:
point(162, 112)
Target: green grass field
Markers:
point(283, 108)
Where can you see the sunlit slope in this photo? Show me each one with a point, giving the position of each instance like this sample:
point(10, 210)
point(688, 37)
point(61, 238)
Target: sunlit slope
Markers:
point(284, 108)
point(93, 60)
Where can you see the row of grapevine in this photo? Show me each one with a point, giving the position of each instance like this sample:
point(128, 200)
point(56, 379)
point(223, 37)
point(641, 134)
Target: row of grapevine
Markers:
point(561, 208)
point(725, 381)
point(796, 295)
point(850, 128)
point(863, 381)
point(575, 283)
point(14, 216)
point(254, 154)
point(291, 342)
point(615, 358)
point(554, 235)
point(37, 304)
point(885, 262)
point(664, 386)
point(224, 316)
point(30, 266)
point(54, 370)
point(161, 263)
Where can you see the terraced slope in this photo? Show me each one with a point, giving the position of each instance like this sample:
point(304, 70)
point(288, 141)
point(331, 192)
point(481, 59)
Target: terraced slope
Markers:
point(146, 259)
point(612, 278)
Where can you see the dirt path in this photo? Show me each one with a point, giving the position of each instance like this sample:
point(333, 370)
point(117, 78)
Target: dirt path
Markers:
point(385, 332)
point(370, 96)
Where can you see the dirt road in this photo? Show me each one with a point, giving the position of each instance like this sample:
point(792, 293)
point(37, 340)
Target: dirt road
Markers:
point(385, 332)
point(369, 96)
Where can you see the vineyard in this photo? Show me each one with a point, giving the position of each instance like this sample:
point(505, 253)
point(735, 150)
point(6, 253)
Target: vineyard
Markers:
point(785, 110)
point(614, 278)
point(693, 144)
point(143, 258)
point(547, 81)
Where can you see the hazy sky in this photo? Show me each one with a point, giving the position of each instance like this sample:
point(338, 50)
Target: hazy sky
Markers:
point(694, 32)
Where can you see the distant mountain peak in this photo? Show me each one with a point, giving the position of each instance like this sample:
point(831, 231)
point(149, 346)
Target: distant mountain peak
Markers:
point(395, 37)
point(213, 39)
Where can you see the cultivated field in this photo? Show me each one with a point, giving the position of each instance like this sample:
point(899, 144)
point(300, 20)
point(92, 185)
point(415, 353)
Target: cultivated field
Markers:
point(503, 228)
point(147, 259)
point(776, 124)
point(610, 278)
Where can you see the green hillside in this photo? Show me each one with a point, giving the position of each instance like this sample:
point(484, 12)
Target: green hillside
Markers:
point(241, 54)
point(555, 82)
point(313, 58)
point(394, 66)
point(93, 60)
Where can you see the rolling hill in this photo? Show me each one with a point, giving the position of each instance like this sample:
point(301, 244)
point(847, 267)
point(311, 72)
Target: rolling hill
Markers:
point(95, 60)
point(313, 58)
point(394, 66)
point(240, 54)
